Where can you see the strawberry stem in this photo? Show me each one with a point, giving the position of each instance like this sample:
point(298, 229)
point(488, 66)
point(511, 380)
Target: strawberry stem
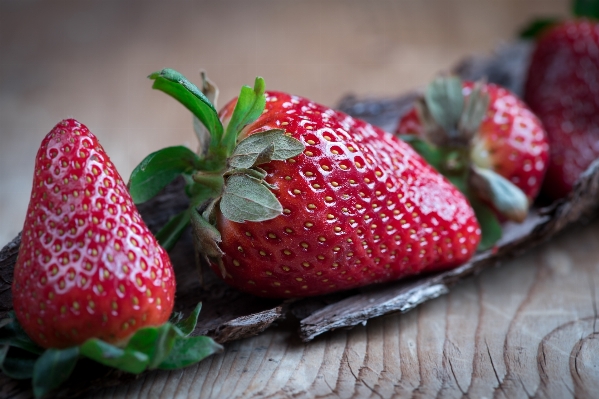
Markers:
point(212, 180)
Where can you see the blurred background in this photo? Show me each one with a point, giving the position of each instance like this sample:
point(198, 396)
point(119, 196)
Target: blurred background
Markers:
point(89, 60)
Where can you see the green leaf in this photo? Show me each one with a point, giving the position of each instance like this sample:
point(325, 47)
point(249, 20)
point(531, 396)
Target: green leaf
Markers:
point(176, 85)
point(245, 198)
point(13, 334)
point(507, 198)
point(255, 149)
point(445, 102)
point(186, 326)
point(586, 8)
point(155, 342)
point(489, 225)
point(3, 351)
point(474, 112)
point(170, 233)
point(249, 107)
point(460, 181)
point(188, 351)
point(17, 363)
point(123, 359)
point(536, 27)
point(431, 153)
point(53, 368)
point(158, 169)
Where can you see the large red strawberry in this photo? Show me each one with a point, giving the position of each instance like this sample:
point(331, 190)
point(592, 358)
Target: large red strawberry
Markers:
point(314, 201)
point(88, 265)
point(485, 139)
point(562, 88)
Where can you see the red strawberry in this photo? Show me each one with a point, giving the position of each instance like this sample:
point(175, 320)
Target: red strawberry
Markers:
point(359, 207)
point(352, 205)
point(562, 88)
point(491, 143)
point(510, 139)
point(87, 266)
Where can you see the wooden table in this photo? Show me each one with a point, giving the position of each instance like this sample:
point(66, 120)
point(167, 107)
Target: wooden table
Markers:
point(526, 329)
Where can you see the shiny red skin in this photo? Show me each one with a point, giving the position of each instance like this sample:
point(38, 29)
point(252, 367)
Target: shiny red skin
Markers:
point(562, 88)
point(88, 266)
point(360, 207)
point(512, 136)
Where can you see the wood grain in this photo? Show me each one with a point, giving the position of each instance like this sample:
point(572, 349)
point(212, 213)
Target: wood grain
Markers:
point(525, 329)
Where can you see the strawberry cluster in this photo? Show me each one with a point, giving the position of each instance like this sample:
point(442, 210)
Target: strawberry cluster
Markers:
point(288, 198)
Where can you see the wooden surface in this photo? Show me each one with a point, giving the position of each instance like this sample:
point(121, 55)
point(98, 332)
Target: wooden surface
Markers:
point(526, 329)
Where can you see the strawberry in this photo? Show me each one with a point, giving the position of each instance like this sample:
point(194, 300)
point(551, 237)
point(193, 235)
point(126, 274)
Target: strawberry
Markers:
point(562, 89)
point(310, 200)
point(359, 207)
point(486, 140)
point(88, 265)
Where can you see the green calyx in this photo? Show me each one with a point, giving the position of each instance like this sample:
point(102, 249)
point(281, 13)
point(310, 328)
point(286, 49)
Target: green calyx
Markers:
point(586, 8)
point(451, 144)
point(580, 9)
point(224, 174)
point(166, 347)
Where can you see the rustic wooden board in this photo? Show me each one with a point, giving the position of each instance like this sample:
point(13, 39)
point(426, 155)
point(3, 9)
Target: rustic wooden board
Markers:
point(528, 329)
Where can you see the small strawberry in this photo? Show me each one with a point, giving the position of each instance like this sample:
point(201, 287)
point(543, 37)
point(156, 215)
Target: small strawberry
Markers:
point(88, 267)
point(310, 200)
point(484, 139)
point(562, 89)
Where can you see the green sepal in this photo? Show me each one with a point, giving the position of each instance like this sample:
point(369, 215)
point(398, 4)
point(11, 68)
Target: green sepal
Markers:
point(206, 235)
point(263, 147)
point(158, 169)
point(490, 227)
point(507, 198)
point(249, 107)
point(210, 90)
point(155, 342)
point(11, 333)
point(537, 27)
point(107, 354)
point(52, 368)
point(170, 233)
point(475, 110)
point(189, 351)
point(17, 363)
point(176, 85)
point(247, 199)
point(187, 325)
point(445, 102)
point(206, 239)
point(586, 8)
point(255, 172)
